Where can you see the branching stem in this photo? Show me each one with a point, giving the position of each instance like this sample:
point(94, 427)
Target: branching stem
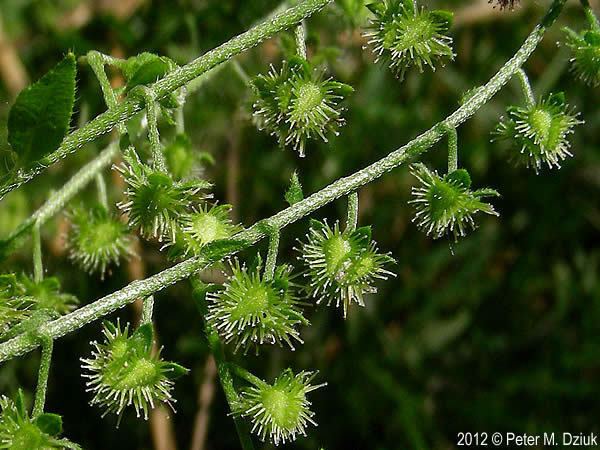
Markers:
point(173, 81)
point(526, 88)
point(300, 33)
point(352, 219)
point(452, 150)
point(44, 371)
point(245, 375)
point(38, 267)
point(142, 288)
point(101, 187)
point(272, 254)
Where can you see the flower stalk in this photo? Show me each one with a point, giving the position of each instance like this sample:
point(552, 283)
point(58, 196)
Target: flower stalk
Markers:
point(44, 371)
point(352, 219)
point(142, 288)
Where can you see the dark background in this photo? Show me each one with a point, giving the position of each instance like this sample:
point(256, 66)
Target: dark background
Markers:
point(502, 335)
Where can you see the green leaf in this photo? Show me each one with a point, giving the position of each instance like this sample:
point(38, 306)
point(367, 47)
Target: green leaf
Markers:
point(40, 117)
point(20, 404)
point(377, 8)
point(294, 193)
point(592, 37)
point(200, 290)
point(217, 250)
point(49, 423)
point(363, 233)
point(443, 17)
point(153, 69)
point(459, 176)
point(174, 370)
point(144, 335)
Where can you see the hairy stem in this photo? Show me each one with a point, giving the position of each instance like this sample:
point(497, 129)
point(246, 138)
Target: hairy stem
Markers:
point(38, 267)
point(452, 150)
point(589, 14)
point(300, 34)
point(526, 88)
point(147, 310)
point(352, 219)
point(226, 379)
point(60, 198)
point(245, 375)
point(101, 188)
point(272, 254)
point(23, 343)
point(170, 83)
point(44, 371)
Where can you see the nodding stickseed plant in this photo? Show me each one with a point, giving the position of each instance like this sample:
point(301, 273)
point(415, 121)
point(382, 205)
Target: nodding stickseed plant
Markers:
point(125, 371)
point(540, 131)
point(165, 199)
point(255, 310)
point(446, 205)
point(407, 36)
point(278, 411)
point(97, 239)
point(342, 267)
point(297, 103)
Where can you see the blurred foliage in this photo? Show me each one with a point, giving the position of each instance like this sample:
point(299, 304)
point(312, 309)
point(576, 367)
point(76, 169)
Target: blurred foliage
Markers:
point(497, 332)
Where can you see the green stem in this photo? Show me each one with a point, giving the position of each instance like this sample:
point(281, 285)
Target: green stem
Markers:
point(226, 379)
point(240, 72)
point(38, 267)
point(452, 150)
point(589, 15)
point(352, 219)
point(125, 110)
point(245, 375)
point(272, 254)
point(60, 198)
point(147, 310)
point(526, 88)
point(300, 34)
point(44, 371)
point(97, 61)
point(158, 158)
point(101, 187)
point(142, 288)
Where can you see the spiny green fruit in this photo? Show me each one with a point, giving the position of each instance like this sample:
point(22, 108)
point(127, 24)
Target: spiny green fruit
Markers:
point(97, 239)
point(14, 306)
point(297, 104)
point(408, 37)
point(18, 431)
point(252, 310)
point(200, 227)
point(540, 132)
point(124, 371)
point(155, 201)
point(280, 411)
point(446, 205)
point(342, 266)
point(585, 50)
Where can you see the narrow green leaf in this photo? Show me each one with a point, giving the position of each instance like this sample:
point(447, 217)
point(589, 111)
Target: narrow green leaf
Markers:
point(174, 370)
point(294, 193)
point(40, 117)
point(144, 335)
point(49, 423)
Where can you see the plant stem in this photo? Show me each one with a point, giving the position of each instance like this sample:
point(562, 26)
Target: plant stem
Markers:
point(142, 288)
point(44, 371)
point(147, 310)
point(106, 121)
point(38, 267)
point(300, 33)
point(352, 219)
point(245, 375)
point(452, 150)
point(226, 379)
point(158, 158)
point(101, 187)
point(526, 88)
point(589, 15)
point(272, 254)
point(60, 198)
